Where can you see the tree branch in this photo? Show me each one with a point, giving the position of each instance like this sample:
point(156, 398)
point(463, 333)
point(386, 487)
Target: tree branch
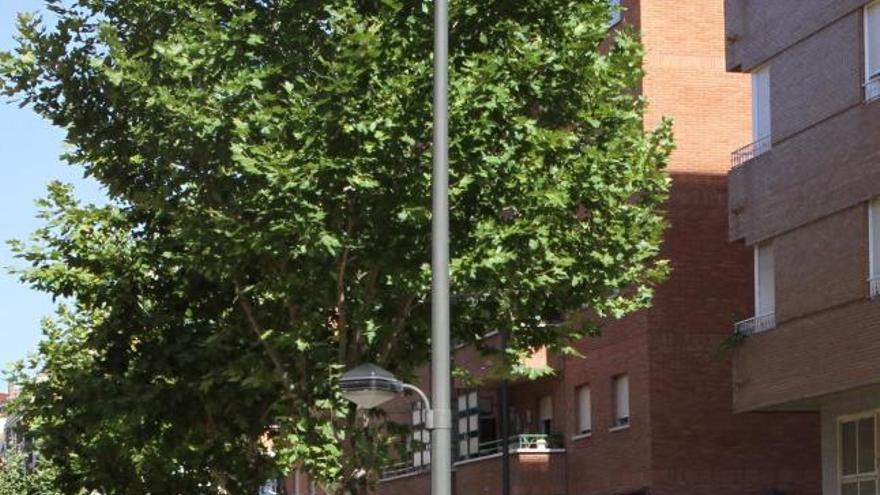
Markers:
point(341, 317)
point(248, 309)
point(398, 327)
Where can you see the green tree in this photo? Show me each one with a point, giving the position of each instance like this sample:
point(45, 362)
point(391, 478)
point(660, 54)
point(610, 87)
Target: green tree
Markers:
point(16, 478)
point(268, 169)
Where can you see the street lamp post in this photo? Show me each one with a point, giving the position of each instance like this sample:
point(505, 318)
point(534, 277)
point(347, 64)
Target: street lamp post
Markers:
point(368, 385)
point(441, 434)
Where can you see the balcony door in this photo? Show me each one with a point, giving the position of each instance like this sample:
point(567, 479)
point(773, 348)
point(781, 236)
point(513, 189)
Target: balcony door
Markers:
point(765, 280)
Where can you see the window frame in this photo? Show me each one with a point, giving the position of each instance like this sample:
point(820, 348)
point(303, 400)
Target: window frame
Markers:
point(757, 105)
point(856, 478)
point(421, 434)
point(470, 417)
point(873, 223)
point(620, 422)
point(759, 293)
point(876, 75)
point(580, 432)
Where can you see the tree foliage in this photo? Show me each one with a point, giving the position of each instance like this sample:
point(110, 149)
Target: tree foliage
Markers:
point(268, 169)
point(17, 478)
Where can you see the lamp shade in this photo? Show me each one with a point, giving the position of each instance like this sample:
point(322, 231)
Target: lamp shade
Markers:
point(369, 386)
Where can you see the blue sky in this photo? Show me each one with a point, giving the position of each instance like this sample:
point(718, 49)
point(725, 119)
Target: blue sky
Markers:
point(29, 151)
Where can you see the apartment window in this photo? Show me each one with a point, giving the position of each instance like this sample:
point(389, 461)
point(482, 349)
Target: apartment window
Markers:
point(765, 280)
point(858, 451)
point(620, 386)
point(468, 424)
point(761, 105)
point(584, 413)
point(489, 427)
point(420, 439)
point(545, 414)
point(615, 13)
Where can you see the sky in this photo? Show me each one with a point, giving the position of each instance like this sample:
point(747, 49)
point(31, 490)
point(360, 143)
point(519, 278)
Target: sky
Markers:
point(29, 160)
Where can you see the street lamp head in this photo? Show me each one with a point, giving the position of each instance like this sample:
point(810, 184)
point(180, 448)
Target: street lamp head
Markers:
point(369, 386)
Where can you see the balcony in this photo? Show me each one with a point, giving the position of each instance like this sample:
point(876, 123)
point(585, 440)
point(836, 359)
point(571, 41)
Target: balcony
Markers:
point(517, 444)
point(403, 469)
point(520, 444)
point(755, 325)
point(751, 151)
point(872, 89)
point(537, 467)
point(874, 287)
point(808, 357)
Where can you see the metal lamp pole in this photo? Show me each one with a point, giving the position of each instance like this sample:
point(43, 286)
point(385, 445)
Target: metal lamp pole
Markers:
point(441, 435)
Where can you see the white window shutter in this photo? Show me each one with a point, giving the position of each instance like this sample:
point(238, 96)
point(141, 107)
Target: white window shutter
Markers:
point(761, 103)
point(872, 40)
point(585, 420)
point(621, 398)
point(874, 239)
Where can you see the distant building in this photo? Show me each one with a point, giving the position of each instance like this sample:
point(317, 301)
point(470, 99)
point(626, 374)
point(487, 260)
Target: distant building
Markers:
point(3, 399)
point(12, 438)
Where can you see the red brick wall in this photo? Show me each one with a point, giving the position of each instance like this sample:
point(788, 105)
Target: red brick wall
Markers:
point(831, 254)
point(757, 30)
point(817, 78)
point(829, 351)
point(698, 444)
point(686, 81)
point(530, 474)
point(407, 485)
point(610, 461)
point(828, 168)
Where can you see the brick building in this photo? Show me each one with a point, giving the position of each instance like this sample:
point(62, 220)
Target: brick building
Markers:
point(804, 197)
point(649, 409)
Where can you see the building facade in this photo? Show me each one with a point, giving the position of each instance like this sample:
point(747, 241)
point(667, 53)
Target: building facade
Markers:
point(12, 440)
point(649, 409)
point(804, 198)
point(3, 415)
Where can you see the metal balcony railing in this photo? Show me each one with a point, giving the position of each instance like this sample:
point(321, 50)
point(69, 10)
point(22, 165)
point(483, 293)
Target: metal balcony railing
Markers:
point(516, 444)
point(750, 151)
point(403, 469)
point(757, 324)
point(874, 287)
point(520, 443)
point(872, 89)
